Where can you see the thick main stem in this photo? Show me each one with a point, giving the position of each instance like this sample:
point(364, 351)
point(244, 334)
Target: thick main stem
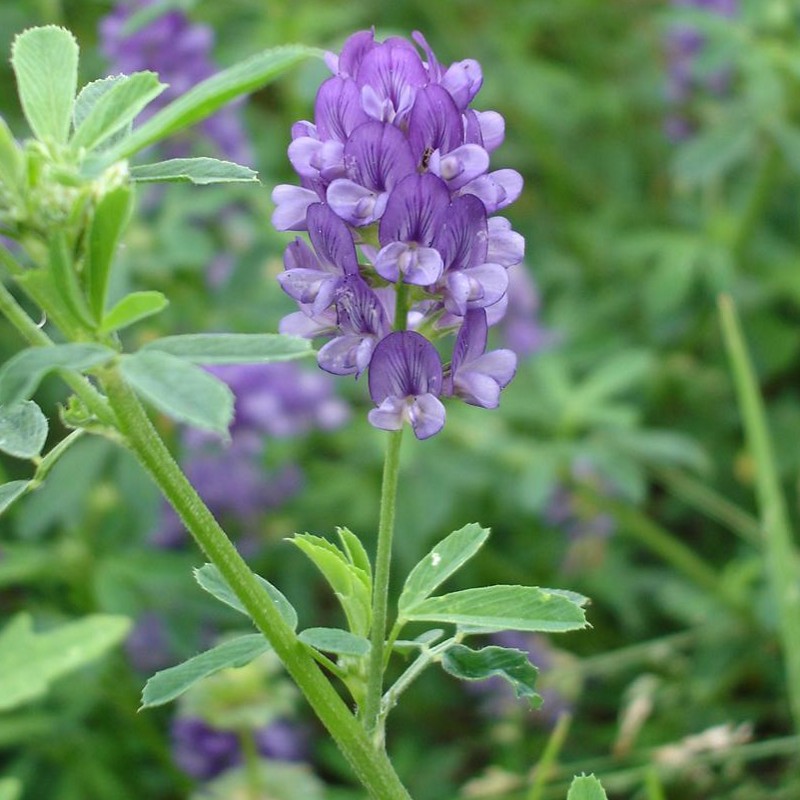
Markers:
point(380, 591)
point(370, 764)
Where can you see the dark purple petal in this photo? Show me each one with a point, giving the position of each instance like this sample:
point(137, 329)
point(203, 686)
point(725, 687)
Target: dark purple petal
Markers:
point(434, 123)
point(291, 203)
point(359, 309)
point(377, 156)
point(433, 66)
point(404, 364)
point(414, 210)
point(353, 51)
point(332, 240)
point(462, 239)
point(337, 109)
point(471, 339)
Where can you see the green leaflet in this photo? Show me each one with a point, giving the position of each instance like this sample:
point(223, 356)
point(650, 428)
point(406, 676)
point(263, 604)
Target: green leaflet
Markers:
point(30, 661)
point(45, 62)
point(170, 683)
point(23, 429)
point(479, 665)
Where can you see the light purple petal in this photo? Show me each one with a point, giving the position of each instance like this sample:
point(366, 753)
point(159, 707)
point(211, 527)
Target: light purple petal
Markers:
point(404, 364)
point(317, 160)
point(496, 190)
point(420, 266)
point(389, 415)
point(476, 389)
point(488, 283)
point(346, 355)
point(291, 203)
point(499, 365)
point(463, 80)
point(506, 247)
point(309, 286)
point(298, 255)
point(414, 210)
point(301, 324)
point(426, 415)
point(355, 204)
point(460, 166)
point(496, 311)
point(471, 340)
point(493, 129)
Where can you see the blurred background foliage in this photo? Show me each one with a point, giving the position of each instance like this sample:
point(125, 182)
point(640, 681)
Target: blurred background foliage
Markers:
point(660, 146)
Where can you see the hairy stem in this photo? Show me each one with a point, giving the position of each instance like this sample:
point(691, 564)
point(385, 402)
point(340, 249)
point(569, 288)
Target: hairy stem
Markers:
point(380, 591)
point(370, 764)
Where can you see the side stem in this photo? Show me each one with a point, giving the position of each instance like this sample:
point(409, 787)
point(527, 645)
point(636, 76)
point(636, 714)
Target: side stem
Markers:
point(380, 591)
point(779, 547)
point(370, 764)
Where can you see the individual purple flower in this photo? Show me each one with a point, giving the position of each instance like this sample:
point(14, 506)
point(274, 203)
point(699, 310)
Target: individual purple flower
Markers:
point(684, 46)
point(397, 153)
point(475, 375)
point(204, 752)
point(179, 50)
point(405, 381)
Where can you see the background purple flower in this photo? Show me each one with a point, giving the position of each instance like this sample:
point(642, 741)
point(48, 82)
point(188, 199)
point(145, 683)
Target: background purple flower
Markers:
point(179, 50)
point(273, 401)
point(684, 46)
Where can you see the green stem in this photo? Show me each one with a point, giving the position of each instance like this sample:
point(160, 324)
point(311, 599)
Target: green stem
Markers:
point(370, 764)
point(712, 504)
point(768, 173)
point(544, 768)
point(418, 666)
point(663, 544)
point(252, 764)
point(780, 551)
point(35, 336)
point(380, 590)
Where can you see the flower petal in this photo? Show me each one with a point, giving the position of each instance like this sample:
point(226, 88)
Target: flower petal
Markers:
point(414, 210)
point(337, 109)
point(426, 415)
point(389, 415)
point(505, 247)
point(497, 189)
point(404, 364)
point(434, 123)
point(291, 203)
point(354, 203)
point(332, 239)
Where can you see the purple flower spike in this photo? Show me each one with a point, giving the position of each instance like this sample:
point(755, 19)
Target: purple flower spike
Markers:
point(405, 380)
point(477, 376)
point(396, 152)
